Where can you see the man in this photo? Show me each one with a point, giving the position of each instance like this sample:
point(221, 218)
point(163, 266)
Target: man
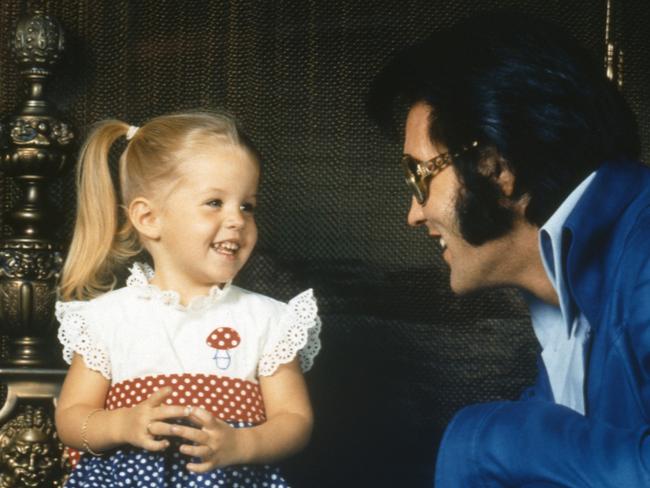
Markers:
point(521, 157)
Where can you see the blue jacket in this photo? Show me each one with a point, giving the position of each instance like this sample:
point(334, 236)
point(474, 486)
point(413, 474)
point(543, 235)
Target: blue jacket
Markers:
point(534, 442)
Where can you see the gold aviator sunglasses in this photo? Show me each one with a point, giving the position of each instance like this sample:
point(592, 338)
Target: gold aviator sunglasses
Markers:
point(420, 173)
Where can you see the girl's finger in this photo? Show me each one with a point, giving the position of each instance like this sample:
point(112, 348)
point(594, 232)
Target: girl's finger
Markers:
point(155, 445)
point(157, 397)
point(203, 418)
point(192, 434)
point(159, 429)
point(163, 428)
point(201, 467)
point(202, 452)
point(164, 412)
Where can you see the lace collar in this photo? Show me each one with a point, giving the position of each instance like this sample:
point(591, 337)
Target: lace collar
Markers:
point(142, 273)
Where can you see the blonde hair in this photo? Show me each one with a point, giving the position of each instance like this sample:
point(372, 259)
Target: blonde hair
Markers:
point(103, 238)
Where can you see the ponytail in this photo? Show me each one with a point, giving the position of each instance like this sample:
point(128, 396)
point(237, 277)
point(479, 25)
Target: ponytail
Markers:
point(103, 238)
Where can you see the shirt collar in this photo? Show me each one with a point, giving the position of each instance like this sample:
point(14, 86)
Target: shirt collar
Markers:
point(141, 275)
point(553, 242)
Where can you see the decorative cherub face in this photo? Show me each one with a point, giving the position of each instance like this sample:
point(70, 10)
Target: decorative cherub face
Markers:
point(28, 457)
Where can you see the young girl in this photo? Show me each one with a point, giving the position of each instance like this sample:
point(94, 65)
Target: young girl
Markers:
point(180, 378)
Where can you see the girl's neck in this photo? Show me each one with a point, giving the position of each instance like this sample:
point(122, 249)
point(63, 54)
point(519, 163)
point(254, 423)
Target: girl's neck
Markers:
point(186, 291)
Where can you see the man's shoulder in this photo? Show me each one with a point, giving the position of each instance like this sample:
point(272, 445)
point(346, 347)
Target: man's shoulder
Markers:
point(613, 201)
point(636, 243)
point(610, 228)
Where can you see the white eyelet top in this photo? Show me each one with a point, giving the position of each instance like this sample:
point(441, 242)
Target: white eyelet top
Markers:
point(140, 331)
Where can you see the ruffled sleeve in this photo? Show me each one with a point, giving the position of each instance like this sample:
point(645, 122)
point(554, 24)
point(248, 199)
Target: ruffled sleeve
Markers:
point(76, 334)
point(296, 332)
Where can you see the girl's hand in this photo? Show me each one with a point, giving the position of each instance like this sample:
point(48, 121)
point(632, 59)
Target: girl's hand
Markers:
point(142, 423)
point(214, 442)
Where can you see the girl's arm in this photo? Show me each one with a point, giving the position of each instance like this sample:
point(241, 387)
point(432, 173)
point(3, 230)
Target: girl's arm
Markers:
point(286, 430)
point(81, 402)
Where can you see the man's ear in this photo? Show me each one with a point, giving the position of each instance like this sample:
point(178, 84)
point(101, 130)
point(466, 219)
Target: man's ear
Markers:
point(497, 169)
point(506, 180)
point(145, 217)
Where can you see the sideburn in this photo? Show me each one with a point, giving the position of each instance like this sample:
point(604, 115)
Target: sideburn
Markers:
point(483, 210)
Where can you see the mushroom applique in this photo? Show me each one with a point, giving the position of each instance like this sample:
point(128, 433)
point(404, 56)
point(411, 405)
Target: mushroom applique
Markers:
point(223, 339)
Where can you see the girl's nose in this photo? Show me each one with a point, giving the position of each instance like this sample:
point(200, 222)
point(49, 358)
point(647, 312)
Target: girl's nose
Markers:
point(235, 219)
point(415, 216)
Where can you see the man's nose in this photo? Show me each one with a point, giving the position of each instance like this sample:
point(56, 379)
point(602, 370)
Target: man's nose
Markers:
point(415, 216)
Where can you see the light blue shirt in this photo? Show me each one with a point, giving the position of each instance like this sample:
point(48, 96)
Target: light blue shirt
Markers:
point(561, 331)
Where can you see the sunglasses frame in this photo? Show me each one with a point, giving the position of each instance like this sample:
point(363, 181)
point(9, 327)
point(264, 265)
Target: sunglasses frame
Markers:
point(418, 174)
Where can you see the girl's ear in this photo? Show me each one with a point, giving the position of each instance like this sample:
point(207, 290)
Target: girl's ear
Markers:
point(145, 217)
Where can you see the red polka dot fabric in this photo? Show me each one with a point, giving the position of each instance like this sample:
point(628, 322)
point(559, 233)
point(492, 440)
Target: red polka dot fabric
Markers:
point(223, 338)
point(70, 457)
point(230, 399)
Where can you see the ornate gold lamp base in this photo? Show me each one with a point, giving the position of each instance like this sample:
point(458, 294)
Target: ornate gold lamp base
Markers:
point(33, 146)
point(28, 272)
point(30, 451)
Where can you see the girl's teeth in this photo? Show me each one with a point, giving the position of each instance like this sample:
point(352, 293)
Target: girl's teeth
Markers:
point(443, 244)
point(229, 247)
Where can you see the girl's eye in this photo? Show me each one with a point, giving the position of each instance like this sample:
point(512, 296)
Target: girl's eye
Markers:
point(215, 203)
point(247, 207)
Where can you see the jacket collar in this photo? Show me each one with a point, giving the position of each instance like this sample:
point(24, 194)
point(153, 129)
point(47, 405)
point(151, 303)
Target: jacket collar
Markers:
point(597, 232)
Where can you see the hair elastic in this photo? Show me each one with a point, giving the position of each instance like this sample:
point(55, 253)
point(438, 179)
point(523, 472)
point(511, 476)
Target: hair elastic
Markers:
point(131, 132)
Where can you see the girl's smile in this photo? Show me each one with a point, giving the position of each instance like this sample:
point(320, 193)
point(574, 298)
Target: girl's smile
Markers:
point(205, 229)
point(227, 248)
point(140, 354)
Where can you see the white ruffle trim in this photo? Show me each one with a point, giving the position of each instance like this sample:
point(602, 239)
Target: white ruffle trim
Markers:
point(142, 273)
point(75, 338)
point(301, 325)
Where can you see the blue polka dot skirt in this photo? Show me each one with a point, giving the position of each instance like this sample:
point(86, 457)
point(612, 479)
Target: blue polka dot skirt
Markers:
point(132, 467)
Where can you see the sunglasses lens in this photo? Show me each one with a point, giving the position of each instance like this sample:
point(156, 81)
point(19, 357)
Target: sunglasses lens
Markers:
point(414, 181)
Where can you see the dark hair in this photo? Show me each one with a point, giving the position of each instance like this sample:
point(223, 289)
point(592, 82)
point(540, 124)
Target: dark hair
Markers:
point(532, 97)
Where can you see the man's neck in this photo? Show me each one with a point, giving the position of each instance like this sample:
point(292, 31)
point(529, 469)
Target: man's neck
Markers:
point(541, 287)
point(531, 274)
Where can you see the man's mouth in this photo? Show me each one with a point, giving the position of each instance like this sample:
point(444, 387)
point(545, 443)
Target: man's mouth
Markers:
point(229, 248)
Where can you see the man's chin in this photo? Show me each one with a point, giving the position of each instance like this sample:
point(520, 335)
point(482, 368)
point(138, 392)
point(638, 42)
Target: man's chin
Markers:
point(460, 287)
